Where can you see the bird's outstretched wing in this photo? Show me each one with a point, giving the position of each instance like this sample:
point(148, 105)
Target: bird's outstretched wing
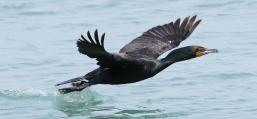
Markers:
point(160, 39)
point(94, 48)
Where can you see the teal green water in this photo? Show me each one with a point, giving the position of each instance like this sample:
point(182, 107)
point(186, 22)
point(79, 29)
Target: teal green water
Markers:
point(38, 50)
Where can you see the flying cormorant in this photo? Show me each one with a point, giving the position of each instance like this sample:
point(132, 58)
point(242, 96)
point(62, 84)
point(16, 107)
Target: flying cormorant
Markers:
point(137, 60)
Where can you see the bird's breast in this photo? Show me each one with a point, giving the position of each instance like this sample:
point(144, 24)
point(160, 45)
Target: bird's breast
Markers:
point(124, 76)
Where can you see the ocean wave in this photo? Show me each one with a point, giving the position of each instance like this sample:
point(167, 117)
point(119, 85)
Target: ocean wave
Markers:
point(30, 93)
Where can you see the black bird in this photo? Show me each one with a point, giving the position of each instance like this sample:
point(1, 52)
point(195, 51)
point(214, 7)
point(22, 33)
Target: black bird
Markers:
point(137, 60)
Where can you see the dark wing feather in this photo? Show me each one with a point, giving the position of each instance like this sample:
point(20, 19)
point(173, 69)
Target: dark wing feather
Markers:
point(160, 39)
point(94, 48)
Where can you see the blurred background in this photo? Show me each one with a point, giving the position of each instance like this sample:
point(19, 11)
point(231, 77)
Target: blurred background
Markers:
point(38, 49)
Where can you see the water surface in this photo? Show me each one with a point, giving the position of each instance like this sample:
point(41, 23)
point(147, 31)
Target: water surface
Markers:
point(38, 50)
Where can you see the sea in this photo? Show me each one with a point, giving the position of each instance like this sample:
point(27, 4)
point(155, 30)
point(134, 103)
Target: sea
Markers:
point(38, 50)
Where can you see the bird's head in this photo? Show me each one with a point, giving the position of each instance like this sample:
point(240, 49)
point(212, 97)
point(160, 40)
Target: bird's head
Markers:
point(198, 51)
point(189, 52)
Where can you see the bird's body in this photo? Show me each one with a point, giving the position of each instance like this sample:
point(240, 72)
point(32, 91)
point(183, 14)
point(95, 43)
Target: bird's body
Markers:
point(137, 60)
point(123, 75)
point(112, 76)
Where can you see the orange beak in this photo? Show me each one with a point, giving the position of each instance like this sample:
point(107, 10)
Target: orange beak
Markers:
point(207, 51)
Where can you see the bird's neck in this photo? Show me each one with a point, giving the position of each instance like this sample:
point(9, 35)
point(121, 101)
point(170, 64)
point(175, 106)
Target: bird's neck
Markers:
point(173, 57)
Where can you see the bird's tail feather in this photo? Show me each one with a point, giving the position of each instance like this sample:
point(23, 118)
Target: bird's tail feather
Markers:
point(75, 84)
